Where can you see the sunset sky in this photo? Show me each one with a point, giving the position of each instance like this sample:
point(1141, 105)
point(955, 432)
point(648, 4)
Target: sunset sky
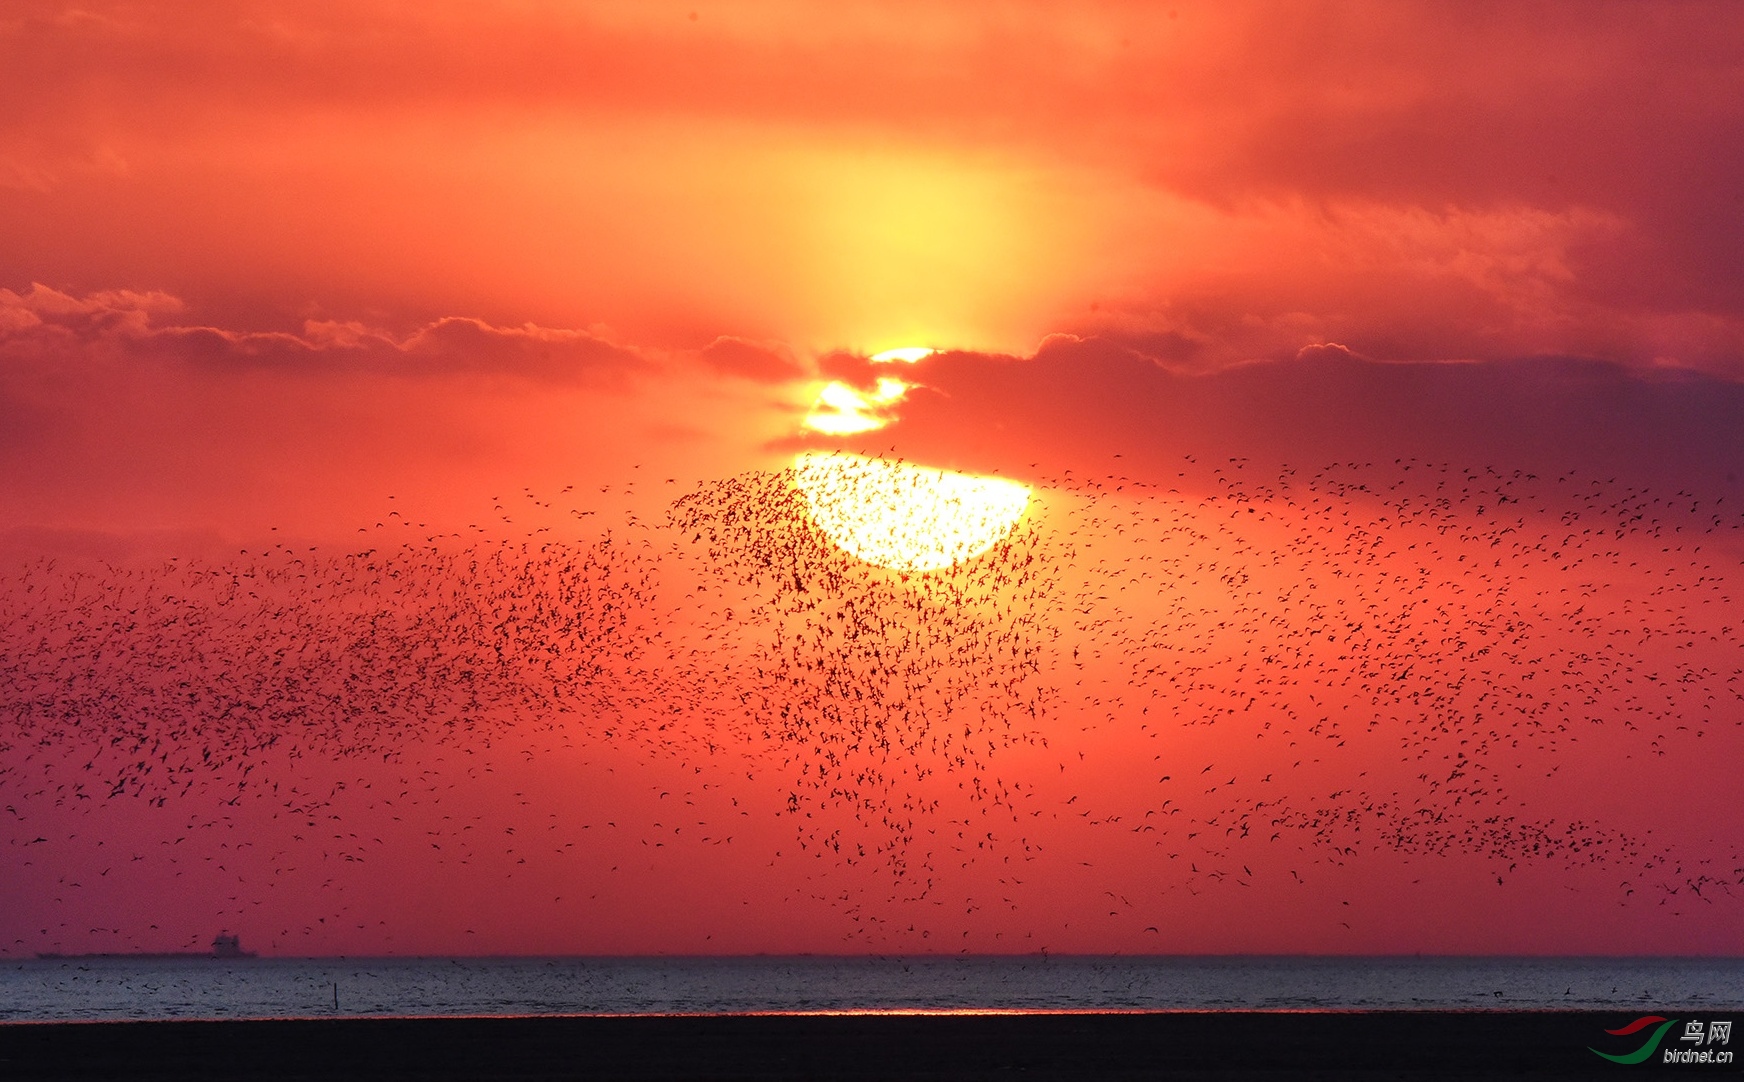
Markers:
point(398, 406)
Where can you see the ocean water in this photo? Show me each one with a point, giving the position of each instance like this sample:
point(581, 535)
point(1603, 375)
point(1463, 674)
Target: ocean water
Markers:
point(91, 989)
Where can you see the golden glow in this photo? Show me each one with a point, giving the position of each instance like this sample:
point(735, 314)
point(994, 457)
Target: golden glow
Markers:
point(844, 410)
point(910, 354)
point(907, 518)
point(905, 244)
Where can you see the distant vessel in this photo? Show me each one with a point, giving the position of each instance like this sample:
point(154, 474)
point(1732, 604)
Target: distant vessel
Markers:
point(223, 946)
point(229, 946)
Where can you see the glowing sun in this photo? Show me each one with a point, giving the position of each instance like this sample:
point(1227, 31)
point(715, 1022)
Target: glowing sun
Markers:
point(907, 518)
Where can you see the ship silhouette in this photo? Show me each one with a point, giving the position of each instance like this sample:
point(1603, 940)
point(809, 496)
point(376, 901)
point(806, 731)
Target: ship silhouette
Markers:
point(224, 945)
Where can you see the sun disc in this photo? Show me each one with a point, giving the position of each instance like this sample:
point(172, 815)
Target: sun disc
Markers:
point(907, 518)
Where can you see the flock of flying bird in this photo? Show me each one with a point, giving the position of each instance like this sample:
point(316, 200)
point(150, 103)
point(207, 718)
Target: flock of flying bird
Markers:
point(1236, 669)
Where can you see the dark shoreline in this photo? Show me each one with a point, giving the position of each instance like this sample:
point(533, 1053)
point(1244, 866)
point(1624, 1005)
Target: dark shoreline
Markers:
point(1172, 1045)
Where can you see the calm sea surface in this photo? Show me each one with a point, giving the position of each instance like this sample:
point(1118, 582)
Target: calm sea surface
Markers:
point(124, 988)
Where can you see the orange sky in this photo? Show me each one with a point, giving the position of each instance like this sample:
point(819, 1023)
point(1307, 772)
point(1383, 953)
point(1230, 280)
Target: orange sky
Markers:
point(329, 278)
point(1419, 183)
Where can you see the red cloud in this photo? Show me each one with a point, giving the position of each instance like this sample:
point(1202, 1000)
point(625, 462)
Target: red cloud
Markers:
point(44, 320)
point(107, 313)
point(120, 413)
point(1086, 400)
point(1426, 184)
point(762, 362)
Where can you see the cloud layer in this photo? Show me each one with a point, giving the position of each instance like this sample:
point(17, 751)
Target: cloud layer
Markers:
point(1241, 180)
point(120, 413)
point(1098, 405)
